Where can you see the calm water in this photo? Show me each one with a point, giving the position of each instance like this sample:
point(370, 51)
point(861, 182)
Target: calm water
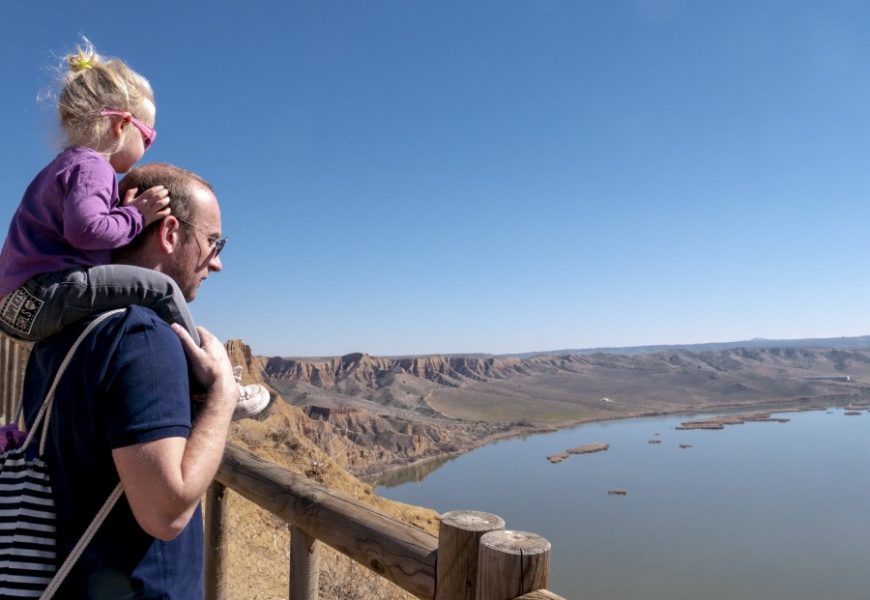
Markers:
point(754, 511)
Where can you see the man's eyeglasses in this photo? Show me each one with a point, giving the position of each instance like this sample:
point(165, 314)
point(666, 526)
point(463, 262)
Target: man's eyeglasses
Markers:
point(216, 244)
point(149, 134)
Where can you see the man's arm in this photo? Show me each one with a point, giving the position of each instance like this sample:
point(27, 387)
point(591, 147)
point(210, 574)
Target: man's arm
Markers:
point(164, 479)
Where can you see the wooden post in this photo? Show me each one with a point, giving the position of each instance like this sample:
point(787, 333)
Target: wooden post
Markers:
point(458, 545)
point(304, 565)
point(216, 541)
point(6, 385)
point(540, 595)
point(13, 360)
point(512, 563)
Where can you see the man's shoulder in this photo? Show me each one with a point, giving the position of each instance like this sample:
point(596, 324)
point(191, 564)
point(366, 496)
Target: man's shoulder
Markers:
point(132, 356)
point(134, 321)
point(141, 316)
point(138, 326)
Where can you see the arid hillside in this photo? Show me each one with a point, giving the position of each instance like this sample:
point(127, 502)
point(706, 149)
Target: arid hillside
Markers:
point(556, 390)
point(259, 542)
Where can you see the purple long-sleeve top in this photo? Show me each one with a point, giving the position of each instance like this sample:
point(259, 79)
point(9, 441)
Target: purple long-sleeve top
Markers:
point(70, 216)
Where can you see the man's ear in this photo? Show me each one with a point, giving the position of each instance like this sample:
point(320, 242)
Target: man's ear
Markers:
point(168, 234)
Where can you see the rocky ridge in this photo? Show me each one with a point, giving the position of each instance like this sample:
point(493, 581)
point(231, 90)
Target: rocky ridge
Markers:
point(455, 371)
point(372, 372)
point(560, 389)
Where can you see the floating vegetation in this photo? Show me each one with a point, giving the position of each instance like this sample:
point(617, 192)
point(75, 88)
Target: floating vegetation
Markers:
point(699, 425)
point(617, 492)
point(557, 458)
point(589, 448)
point(721, 421)
point(685, 446)
point(585, 449)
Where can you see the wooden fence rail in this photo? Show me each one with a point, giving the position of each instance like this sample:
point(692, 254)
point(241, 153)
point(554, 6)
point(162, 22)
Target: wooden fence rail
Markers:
point(394, 550)
point(472, 558)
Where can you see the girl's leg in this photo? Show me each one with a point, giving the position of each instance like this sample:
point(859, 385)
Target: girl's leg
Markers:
point(49, 302)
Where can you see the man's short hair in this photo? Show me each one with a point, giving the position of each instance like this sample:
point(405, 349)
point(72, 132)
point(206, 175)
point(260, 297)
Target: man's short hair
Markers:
point(180, 184)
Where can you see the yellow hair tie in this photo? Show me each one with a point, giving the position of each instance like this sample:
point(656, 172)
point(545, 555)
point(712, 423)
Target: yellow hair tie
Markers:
point(81, 63)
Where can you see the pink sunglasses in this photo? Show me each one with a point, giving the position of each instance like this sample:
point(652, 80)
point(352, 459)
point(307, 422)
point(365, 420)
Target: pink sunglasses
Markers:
point(149, 134)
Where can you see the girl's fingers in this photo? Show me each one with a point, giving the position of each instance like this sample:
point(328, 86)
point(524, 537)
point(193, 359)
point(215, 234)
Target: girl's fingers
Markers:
point(130, 196)
point(158, 192)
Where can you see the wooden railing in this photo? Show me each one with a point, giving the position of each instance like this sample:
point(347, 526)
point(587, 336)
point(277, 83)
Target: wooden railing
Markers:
point(472, 558)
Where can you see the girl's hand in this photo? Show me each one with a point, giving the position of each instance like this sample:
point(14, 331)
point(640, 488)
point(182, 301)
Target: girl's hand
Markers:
point(153, 203)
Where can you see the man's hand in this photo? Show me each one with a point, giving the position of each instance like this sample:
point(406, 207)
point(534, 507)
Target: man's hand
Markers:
point(209, 362)
point(153, 203)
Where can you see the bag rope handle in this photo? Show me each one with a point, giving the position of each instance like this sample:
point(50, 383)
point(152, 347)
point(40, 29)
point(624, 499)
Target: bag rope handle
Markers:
point(49, 397)
point(80, 546)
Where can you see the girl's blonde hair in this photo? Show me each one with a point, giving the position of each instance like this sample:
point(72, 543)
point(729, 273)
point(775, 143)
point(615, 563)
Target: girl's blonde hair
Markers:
point(92, 83)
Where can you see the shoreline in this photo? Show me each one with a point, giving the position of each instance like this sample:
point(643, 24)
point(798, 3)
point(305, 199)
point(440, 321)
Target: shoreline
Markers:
point(372, 477)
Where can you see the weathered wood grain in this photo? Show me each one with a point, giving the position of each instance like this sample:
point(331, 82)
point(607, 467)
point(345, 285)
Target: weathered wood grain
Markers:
point(216, 540)
point(458, 545)
point(304, 565)
point(540, 595)
point(13, 360)
point(512, 563)
point(394, 550)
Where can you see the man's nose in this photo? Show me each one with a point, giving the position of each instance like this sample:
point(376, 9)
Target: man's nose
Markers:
point(215, 264)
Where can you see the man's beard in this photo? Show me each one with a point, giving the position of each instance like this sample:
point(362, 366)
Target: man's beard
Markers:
point(184, 268)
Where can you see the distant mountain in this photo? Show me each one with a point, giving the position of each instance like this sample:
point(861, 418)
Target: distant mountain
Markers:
point(839, 343)
point(576, 385)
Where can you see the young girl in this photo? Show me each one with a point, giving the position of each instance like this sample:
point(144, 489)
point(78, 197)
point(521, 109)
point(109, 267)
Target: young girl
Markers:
point(54, 265)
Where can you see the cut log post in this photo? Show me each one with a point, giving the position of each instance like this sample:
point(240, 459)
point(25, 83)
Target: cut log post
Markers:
point(216, 540)
point(304, 565)
point(512, 563)
point(458, 545)
point(540, 595)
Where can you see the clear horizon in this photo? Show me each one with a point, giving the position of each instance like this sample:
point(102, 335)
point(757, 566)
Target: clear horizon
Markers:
point(785, 341)
point(488, 177)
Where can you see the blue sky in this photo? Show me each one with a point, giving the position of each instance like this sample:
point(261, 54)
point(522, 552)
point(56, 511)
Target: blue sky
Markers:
point(408, 177)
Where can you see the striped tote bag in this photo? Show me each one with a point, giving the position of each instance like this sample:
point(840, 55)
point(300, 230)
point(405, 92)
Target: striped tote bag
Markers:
point(28, 565)
point(27, 530)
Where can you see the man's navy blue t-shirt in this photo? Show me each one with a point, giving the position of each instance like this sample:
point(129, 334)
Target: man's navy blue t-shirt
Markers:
point(127, 384)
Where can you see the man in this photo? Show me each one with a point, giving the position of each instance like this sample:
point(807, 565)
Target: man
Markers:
point(123, 410)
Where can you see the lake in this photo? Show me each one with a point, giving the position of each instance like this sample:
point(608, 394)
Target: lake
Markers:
point(755, 511)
